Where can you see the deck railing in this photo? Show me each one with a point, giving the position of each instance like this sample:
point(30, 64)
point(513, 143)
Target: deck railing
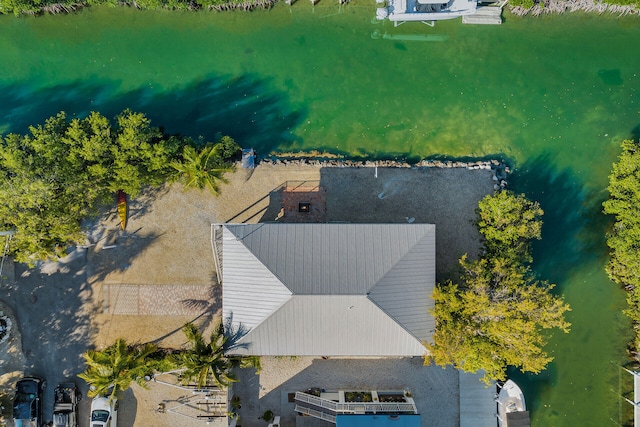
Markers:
point(356, 407)
point(316, 414)
point(316, 401)
point(216, 249)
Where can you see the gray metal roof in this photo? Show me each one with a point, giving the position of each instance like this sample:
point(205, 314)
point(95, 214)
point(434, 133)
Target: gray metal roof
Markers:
point(329, 289)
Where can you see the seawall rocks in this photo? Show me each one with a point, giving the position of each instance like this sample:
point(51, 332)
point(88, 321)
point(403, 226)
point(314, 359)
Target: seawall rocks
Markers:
point(499, 168)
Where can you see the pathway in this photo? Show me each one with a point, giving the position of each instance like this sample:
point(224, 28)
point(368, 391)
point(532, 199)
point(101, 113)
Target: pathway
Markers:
point(156, 300)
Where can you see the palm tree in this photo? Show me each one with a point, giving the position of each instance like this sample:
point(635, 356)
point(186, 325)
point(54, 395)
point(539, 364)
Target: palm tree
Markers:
point(202, 170)
point(206, 363)
point(113, 369)
point(246, 362)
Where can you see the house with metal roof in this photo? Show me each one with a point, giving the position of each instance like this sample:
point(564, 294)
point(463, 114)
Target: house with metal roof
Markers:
point(327, 289)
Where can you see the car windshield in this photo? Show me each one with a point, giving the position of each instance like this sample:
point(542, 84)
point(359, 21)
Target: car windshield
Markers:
point(24, 397)
point(100, 415)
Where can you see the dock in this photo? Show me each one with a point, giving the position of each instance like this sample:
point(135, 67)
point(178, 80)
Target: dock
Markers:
point(477, 401)
point(485, 15)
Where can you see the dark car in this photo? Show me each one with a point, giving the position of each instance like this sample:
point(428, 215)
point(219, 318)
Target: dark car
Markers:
point(65, 405)
point(27, 402)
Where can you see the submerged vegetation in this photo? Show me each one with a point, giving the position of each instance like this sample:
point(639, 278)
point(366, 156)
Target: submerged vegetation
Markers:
point(34, 7)
point(64, 170)
point(495, 315)
point(624, 237)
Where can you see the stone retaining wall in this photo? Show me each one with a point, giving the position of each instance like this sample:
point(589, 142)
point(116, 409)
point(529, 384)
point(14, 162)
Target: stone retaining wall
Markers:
point(499, 168)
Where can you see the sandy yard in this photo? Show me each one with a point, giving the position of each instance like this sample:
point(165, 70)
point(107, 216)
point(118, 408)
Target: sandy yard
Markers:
point(144, 283)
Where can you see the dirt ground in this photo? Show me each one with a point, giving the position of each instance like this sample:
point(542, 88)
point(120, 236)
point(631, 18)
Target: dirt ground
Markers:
point(144, 283)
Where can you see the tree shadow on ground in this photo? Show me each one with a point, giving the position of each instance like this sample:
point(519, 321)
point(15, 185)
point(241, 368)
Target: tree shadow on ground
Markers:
point(53, 305)
point(142, 204)
point(211, 309)
point(112, 249)
point(247, 108)
point(117, 252)
point(137, 207)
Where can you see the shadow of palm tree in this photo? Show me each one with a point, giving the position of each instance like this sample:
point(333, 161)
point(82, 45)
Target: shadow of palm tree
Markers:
point(210, 310)
point(102, 262)
point(54, 306)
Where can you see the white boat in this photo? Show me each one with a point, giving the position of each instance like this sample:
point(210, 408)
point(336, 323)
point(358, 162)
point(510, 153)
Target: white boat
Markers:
point(425, 11)
point(512, 410)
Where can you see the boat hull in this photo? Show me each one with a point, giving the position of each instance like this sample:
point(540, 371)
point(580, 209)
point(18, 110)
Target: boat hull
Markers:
point(511, 406)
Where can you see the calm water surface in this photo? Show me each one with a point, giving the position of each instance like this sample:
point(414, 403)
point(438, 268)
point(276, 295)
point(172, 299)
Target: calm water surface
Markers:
point(552, 95)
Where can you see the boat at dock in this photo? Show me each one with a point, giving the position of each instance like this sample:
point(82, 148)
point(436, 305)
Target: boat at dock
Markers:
point(512, 410)
point(429, 11)
point(425, 11)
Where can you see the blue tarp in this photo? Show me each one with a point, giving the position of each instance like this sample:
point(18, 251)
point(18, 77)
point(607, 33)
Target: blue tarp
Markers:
point(248, 158)
point(378, 420)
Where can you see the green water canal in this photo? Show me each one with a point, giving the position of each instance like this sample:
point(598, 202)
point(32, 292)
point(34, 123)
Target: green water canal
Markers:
point(552, 95)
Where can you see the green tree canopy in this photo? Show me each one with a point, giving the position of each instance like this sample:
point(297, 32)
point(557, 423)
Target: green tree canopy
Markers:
point(494, 319)
point(205, 169)
point(112, 370)
point(508, 222)
point(62, 171)
point(496, 314)
point(623, 238)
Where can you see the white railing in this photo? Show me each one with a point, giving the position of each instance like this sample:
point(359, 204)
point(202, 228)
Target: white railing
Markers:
point(356, 407)
point(216, 249)
point(317, 414)
point(316, 401)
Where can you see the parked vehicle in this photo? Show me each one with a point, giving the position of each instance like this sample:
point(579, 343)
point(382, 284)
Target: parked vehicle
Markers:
point(65, 405)
point(27, 402)
point(104, 412)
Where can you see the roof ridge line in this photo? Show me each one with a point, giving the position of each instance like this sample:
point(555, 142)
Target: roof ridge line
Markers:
point(241, 240)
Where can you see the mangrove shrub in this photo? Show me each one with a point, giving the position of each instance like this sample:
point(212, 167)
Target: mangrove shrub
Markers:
point(63, 171)
point(495, 315)
point(624, 237)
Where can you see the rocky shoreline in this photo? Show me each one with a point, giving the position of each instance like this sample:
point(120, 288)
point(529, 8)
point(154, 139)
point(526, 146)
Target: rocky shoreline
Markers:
point(562, 6)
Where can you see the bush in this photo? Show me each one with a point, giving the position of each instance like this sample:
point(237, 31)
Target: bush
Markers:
point(267, 416)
